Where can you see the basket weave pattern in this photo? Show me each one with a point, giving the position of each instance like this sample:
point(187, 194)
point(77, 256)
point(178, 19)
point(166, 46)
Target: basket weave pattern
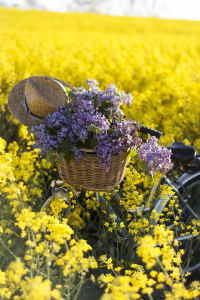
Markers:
point(89, 174)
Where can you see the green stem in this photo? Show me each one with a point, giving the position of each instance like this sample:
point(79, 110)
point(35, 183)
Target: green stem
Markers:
point(163, 269)
point(79, 288)
point(30, 239)
point(8, 249)
point(153, 191)
point(46, 203)
point(48, 269)
point(150, 297)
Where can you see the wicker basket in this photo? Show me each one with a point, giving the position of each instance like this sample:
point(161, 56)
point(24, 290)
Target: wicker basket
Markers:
point(89, 174)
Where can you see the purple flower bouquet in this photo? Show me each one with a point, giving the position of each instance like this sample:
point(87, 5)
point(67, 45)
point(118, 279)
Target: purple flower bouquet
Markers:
point(91, 137)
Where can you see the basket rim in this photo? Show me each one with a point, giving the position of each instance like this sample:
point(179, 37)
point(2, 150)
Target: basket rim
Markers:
point(91, 151)
point(87, 150)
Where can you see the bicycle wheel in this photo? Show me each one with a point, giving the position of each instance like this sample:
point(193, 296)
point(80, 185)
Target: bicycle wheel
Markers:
point(188, 186)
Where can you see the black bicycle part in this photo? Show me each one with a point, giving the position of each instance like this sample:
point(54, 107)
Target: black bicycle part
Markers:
point(152, 132)
point(188, 185)
point(182, 153)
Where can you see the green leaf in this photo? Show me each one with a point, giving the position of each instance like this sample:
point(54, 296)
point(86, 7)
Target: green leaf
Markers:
point(93, 129)
point(67, 90)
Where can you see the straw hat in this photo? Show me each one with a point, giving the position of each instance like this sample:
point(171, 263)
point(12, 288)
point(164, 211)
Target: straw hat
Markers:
point(33, 98)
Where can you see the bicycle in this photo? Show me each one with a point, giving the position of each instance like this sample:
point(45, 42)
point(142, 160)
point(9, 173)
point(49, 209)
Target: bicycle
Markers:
point(186, 185)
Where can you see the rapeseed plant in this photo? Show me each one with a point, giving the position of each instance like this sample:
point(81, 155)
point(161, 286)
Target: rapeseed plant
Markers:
point(50, 246)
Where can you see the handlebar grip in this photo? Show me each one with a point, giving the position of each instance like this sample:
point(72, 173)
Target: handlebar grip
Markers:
point(150, 131)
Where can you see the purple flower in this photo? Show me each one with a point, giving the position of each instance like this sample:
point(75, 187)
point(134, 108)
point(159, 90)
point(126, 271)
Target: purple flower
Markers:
point(127, 99)
point(157, 158)
point(45, 141)
point(93, 84)
point(112, 88)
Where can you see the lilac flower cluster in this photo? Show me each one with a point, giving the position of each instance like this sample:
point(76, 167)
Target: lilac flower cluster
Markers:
point(120, 138)
point(92, 119)
point(157, 158)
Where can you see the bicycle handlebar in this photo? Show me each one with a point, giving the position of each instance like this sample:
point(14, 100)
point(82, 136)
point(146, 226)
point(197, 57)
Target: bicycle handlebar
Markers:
point(150, 131)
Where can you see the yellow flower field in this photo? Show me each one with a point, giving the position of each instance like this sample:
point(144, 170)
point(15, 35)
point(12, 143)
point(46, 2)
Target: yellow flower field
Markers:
point(51, 247)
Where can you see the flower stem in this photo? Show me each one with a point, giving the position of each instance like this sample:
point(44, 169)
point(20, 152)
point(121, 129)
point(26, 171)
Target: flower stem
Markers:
point(8, 249)
point(150, 297)
point(154, 189)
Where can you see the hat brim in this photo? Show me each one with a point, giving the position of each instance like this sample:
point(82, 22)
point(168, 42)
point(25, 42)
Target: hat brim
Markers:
point(17, 101)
